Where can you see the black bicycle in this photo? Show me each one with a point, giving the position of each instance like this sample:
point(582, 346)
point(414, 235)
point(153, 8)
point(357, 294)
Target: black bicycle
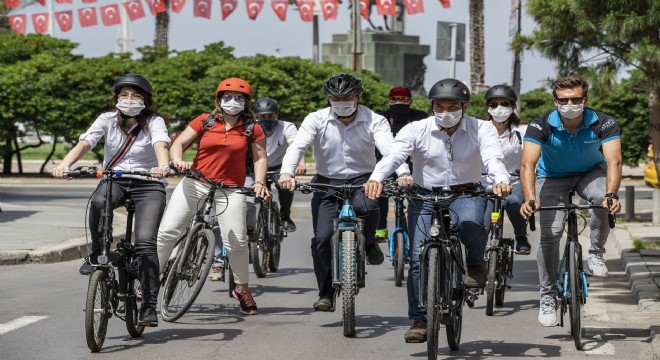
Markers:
point(398, 242)
point(499, 255)
point(572, 285)
point(265, 249)
point(114, 285)
point(186, 272)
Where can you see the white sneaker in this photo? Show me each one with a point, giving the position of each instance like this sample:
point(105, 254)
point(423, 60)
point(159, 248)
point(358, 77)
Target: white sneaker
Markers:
point(548, 311)
point(595, 265)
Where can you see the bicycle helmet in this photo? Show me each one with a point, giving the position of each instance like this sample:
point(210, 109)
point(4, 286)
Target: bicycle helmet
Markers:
point(266, 106)
point(342, 85)
point(502, 91)
point(133, 80)
point(450, 89)
point(234, 84)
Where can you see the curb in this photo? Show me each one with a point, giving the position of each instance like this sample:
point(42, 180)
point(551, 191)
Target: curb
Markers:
point(655, 340)
point(646, 291)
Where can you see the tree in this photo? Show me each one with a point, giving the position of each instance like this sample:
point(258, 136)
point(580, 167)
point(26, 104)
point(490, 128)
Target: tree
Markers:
point(162, 26)
point(477, 68)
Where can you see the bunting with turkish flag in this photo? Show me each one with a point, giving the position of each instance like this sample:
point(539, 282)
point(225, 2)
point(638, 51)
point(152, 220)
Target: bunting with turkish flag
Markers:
point(386, 7)
point(330, 9)
point(156, 6)
point(445, 3)
point(364, 8)
point(254, 8)
point(12, 4)
point(134, 10)
point(110, 15)
point(414, 6)
point(306, 8)
point(40, 23)
point(18, 23)
point(177, 5)
point(202, 8)
point(64, 20)
point(227, 7)
point(87, 17)
point(280, 7)
point(64, 1)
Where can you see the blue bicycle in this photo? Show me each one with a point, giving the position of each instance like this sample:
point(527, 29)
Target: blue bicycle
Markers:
point(398, 242)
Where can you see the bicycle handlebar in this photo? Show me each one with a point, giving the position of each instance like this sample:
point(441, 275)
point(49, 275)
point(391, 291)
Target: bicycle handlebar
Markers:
point(611, 219)
point(310, 187)
point(82, 171)
point(197, 175)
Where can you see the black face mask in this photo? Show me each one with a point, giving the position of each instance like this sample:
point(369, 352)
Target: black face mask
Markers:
point(399, 110)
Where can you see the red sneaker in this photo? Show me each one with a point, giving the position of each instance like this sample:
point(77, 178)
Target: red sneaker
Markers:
point(247, 304)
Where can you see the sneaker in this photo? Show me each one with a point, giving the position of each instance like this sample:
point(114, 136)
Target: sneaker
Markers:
point(86, 267)
point(324, 304)
point(287, 224)
point(217, 274)
point(417, 332)
point(477, 275)
point(381, 235)
point(247, 304)
point(375, 255)
point(522, 245)
point(548, 311)
point(148, 316)
point(595, 265)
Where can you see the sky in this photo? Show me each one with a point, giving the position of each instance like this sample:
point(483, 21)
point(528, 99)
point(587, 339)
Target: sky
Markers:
point(268, 35)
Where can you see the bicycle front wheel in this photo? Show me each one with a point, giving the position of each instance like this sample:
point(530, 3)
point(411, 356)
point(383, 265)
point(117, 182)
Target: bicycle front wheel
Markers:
point(348, 281)
point(454, 322)
point(97, 310)
point(575, 298)
point(399, 258)
point(505, 269)
point(276, 239)
point(433, 304)
point(491, 282)
point(132, 306)
point(258, 249)
point(182, 287)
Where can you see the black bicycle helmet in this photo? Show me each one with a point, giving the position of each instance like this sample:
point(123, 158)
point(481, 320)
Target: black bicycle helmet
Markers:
point(343, 84)
point(134, 80)
point(502, 91)
point(266, 106)
point(450, 89)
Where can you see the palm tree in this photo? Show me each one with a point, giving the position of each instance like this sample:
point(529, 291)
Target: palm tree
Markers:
point(477, 68)
point(162, 26)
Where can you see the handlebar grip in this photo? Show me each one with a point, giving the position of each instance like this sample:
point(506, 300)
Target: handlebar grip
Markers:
point(611, 218)
point(532, 219)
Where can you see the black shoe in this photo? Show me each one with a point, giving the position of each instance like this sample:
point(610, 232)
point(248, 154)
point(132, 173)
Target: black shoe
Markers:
point(523, 246)
point(86, 267)
point(416, 333)
point(287, 224)
point(375, 255)
point(324, 304)
point(148, 316)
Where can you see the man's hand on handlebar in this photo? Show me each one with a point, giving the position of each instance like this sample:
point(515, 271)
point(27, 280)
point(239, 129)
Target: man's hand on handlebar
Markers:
point(528, 208)
point(612, 205)
point(287, 182)
point(502, 190)
point(373, 189)
point(404, 180)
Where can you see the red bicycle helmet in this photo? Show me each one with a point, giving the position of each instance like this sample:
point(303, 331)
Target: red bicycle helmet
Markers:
point(234, 84)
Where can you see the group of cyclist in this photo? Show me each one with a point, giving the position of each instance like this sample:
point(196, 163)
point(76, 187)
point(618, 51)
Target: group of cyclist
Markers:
point(557, 152)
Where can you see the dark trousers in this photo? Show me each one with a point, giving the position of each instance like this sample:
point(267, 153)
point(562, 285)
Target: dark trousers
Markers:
point(384, 205)
point(149, 198)
point(285, 196)
point(325, 208)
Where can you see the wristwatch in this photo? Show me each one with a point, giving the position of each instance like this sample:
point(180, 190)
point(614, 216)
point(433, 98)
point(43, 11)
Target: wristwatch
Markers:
point(612, 195)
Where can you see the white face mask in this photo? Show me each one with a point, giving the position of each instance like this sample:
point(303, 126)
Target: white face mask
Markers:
point(500, 113)
point(130, 107)
point(232, 107)
point(570, 111)
point(343, 108)
point(448, 119)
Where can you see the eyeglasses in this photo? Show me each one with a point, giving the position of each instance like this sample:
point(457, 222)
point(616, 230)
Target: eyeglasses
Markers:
point(494, 104)
point(448, 149)
point(573, 100)
point(133, 95)
point(227, 98)
point(399, 99)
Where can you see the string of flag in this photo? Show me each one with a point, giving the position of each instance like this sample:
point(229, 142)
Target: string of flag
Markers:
point(110, 14)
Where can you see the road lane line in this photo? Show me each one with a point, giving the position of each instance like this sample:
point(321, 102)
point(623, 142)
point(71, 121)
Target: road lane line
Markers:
point(19, 323)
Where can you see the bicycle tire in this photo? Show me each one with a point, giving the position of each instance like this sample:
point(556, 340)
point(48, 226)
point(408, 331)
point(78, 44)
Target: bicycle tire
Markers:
point(97, 310)
point(505, 268)
point(276, 240)
point(575, 301)
point(432, 304)
point(399, 258)
point(348, 282)
point(454, 324)
point(491, 281)
point(132, 306)
point(229, 273)
point(181, 289)
point(259, 248)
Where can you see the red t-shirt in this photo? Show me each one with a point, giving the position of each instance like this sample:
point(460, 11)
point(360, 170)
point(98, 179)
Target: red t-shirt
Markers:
point(221, 154)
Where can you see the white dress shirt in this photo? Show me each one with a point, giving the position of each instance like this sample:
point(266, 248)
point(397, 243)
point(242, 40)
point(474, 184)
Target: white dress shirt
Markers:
point(512, 146)
point(278, 142)
point(341, 151)
point(441, 159)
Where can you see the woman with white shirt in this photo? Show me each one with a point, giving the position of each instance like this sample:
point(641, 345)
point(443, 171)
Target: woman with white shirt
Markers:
point(133, 107)
point(501, 101)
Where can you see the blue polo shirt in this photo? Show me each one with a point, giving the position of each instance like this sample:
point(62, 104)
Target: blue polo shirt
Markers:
point(564, 154)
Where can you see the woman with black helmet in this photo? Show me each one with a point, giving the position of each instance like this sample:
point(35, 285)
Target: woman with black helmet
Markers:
point(501, 102)
point(133, 109)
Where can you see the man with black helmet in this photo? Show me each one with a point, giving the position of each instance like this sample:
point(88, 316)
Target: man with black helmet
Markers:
point(344, 137)
point(448, 148)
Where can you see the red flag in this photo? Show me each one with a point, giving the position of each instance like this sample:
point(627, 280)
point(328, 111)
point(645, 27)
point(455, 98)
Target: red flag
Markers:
point(18, 23)
point(330, 9)
point(110, 15)
point(280, 7)
point(202, 8)
point(445, 3)
point(64, 20)
point(12, 4)
point(386, 7)
point(134, 10)
point(64, 1)
point(306, 8)
point(88, 1)
point(177, 5)
point(40, 23)
point(228, 7)
point(414, 6)
point(156, 6)
point(42, 2)
point(254, 8)
point(364, 8)
point(87, 17)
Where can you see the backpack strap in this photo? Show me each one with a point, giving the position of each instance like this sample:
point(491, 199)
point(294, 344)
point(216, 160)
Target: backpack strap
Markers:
point(130, 140)
point(208, 124)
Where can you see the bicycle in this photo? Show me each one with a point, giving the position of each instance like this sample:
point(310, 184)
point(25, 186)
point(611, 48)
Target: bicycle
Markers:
point(348, 250)
point(265, 251)
point(499, 255)
point(398, 241)
point(443, 291)
point(186, 272)
point(572, 285)
point(114, 285)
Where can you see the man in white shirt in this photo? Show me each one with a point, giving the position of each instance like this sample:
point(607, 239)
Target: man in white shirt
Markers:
point(448, 148)
point(343, 137)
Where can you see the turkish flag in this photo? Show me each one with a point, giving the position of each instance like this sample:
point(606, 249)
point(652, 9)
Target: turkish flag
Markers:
point(202, 8)
point(228, 7)
point(18, 23)
point(88, 1)
point(364, 8)
point(414, 6)
point(110, 15)
point(42, 2)
point(64, 1)
point(330, 9)
point(386, 7)
point(134, 10)
point(280, 7)
point(40, 23)
point(87, 17)
point(445, 3)
point(306, 8)
point(254, 8)
point(12, 4)
point(177, 5)
point(64, 20)
point(156, 6)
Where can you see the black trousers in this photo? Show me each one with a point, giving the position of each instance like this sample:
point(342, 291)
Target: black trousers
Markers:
point(285, 196)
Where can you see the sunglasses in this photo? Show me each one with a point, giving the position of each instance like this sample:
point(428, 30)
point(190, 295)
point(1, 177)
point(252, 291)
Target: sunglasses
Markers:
point(399, 99)
point(494, 104)
point(573, 100)
point(239, 98)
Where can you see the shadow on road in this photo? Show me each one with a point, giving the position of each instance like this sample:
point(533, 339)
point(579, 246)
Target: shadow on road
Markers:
point(372, 326)
point(169, 335)
point(487, 349)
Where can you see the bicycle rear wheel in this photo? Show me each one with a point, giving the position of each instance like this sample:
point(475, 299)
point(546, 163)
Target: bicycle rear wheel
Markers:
point(276, 239)
point(491, 282)
point(348, 282)
point(399, 259)
point(132, 305)
point(433, 303)
point(97, 310)
point(575, 298)
point(181, 288)
point(258, 249)
point(505, 268)
point(454, 323)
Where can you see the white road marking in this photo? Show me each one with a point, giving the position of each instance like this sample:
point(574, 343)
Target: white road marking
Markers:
point(19, 323)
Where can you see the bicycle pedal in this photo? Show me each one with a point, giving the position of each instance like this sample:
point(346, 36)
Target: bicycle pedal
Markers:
point(469, 302)
point(414, 341)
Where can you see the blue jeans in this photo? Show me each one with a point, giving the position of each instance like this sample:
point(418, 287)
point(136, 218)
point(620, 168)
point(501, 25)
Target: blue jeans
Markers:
point(467, 216)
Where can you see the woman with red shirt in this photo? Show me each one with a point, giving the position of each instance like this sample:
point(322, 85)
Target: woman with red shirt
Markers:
point(221, 156)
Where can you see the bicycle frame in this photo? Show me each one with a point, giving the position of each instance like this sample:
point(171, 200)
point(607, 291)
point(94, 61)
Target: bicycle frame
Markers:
point(400, 226)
